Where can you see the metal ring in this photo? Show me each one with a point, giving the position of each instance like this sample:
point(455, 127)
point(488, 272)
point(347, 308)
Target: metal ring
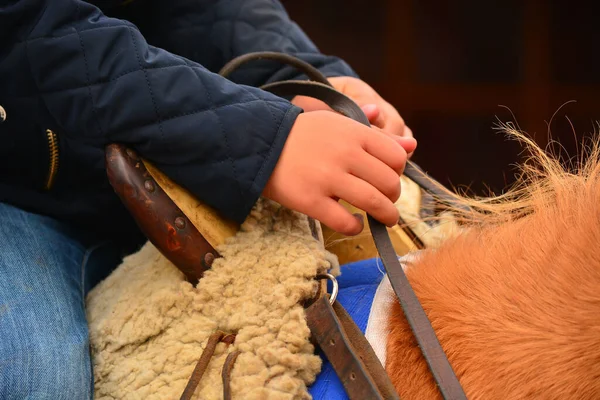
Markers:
point(334, 282)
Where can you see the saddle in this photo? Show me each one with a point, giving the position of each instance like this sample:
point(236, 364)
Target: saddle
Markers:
point(187, 232)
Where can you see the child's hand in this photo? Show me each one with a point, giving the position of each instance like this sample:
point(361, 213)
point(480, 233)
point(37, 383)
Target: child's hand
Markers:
point(329, 157)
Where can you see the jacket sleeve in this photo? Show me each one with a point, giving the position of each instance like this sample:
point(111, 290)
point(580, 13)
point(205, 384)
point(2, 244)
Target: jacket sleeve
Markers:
point(213, 32)
point(101, 83)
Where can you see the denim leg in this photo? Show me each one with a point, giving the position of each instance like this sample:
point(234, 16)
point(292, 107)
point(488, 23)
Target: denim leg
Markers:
point(45, 271)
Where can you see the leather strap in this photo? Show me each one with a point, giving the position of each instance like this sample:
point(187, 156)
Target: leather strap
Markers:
point(365, 352)
point(411, 234)
point(313, 73)
point(348, 352)
point(201, 366)
point(226, 373)
point(431, 348)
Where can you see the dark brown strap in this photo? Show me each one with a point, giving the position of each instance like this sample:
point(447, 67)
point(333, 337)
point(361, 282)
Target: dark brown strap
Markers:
point(428, 206)
point(311, 72)
point(431, 348)
point(411, 234)
point(365, 352)
point(226, 373)
point(163, 223)
point(205, 357)
point(348, 353)
point(202, 364)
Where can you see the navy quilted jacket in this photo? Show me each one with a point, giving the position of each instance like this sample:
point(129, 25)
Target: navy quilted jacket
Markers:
point(142, 73)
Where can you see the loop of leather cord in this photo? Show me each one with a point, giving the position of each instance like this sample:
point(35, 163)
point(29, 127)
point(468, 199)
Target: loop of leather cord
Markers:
point(202, 364)
point(313, 73)
point(204, 360)
point(226, 373)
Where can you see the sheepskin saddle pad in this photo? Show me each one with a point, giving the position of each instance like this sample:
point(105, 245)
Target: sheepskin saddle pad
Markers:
point(149, 326)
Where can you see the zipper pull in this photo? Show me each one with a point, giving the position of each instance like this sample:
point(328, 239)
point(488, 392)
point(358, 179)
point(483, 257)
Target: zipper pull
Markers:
point(53, 153)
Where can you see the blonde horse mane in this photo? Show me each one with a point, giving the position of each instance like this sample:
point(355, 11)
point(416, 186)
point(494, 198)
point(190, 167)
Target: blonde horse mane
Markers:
point(542, 175)
point(514, 298)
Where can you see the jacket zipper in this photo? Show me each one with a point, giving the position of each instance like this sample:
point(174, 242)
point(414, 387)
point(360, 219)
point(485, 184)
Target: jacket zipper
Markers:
point(53, 164)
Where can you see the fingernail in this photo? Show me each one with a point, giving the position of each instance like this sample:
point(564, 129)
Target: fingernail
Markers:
point(361, 220)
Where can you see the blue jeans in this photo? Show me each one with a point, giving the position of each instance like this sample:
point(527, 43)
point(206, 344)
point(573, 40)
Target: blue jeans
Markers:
point(46, 269)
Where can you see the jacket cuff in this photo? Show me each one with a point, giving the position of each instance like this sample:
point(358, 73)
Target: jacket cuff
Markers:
point(268, 165)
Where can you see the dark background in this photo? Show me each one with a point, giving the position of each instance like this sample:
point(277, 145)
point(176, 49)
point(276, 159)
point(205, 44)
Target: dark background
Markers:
point(454, 69)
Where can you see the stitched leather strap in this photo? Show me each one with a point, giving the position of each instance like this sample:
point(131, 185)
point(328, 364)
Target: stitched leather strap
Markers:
point(348, 351)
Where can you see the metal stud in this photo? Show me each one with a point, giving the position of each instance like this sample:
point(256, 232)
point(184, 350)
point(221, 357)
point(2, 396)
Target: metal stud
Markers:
point(180, 222)
point(208, 259)
point(2, 114)
point(149, 185)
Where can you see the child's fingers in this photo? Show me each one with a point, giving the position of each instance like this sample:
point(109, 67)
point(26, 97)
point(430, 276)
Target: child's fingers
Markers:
point(386, 149)
point(386, 119)
point(409, 133)
point(365, 197)
point(378, 174)
point(394, 125)
point(408, 142)
point(372, 112)
point(335, 216)
point(384, 116)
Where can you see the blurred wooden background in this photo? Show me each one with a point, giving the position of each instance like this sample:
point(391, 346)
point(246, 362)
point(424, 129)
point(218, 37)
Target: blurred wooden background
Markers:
point(453, 69)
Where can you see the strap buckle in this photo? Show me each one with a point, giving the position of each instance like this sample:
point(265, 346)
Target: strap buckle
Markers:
point(334, 282)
